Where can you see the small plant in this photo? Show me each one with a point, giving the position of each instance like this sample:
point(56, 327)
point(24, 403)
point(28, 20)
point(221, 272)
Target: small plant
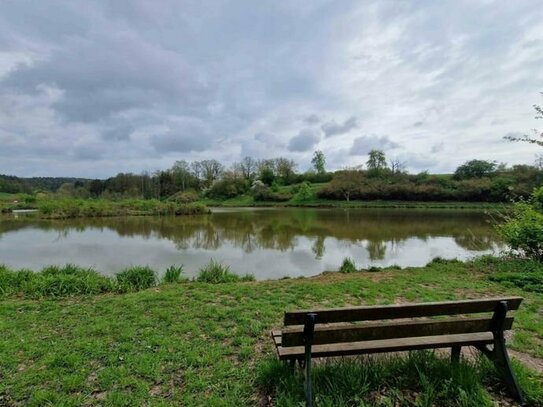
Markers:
point(304, 192)
point(215, 273)
point(136, 278)
point(523, 231)
point(173, 274)
point(347, 266)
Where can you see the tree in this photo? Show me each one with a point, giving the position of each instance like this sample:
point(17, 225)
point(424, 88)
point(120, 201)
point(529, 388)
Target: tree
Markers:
point(397, 166)
point(475, 169)
point(211, 170)
point(346, 182)
point(537, 134)
point(319, 161)
point(182, 176)
point(248, 167)
point(376, 161)
point(285, 168)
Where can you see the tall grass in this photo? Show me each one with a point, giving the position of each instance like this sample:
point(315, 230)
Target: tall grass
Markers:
point(173, 274)
point(54, 281)
point(76, 208)
point(420, 379)
point(347, 266)
point(136, 278)
point(215, 273)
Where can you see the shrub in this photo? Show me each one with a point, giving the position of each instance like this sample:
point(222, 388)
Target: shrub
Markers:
point(347, 266)
point(136, 278)
point(215, 273)
point(523, 231)
point(173, 274)
point(304, 192)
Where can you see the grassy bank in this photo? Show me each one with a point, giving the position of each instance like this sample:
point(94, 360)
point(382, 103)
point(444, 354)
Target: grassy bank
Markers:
point(77, 208)
point(196, 343)
point(248, 201)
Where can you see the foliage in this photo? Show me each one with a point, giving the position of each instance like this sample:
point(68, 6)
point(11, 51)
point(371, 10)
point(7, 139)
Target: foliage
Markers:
point(76, 208)
point(173, 274)
point(523, 231)
point(54, 281)
point(319, 161)
point(376, 161)
point(538, 139)
point(347, 266)
point(475, 169)
point(228, 187)
point(136, 278)
point(216, 273)
point(304, 192)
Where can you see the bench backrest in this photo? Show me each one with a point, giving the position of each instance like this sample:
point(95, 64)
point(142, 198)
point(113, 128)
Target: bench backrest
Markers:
point(396, 321)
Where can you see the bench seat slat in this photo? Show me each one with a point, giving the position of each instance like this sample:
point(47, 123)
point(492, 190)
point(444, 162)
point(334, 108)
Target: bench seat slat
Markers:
point(369, 313)
point(386, 345)
point(293, 335)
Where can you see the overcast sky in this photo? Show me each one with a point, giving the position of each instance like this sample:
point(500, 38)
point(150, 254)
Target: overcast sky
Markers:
point(92, 88)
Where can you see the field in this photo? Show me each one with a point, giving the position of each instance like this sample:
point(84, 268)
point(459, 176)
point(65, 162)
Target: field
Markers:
point(194, 343)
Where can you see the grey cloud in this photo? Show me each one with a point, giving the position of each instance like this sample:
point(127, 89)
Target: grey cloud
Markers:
point(438, 147)
point(118, 133)
point(184, 136)
point(364, 144)
point(312, 119)
point(333, 129)
point(304, 141)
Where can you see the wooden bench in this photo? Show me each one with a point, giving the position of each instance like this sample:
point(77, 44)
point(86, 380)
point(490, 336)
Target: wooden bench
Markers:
point(392, 328)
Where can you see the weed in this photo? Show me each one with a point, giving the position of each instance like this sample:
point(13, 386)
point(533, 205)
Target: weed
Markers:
point(347, 266)
point(136, 278)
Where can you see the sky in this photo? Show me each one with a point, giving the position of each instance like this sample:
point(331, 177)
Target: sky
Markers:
point(93, 88)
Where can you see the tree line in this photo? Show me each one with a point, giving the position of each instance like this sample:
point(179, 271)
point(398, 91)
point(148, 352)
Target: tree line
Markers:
point(265, 180)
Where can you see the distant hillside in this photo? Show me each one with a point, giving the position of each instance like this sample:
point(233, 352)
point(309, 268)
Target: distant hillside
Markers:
point(12, 184)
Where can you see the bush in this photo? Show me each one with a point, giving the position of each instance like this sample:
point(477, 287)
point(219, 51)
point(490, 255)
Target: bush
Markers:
point(523, 231)
point(216, 273)
point(184, 197)
point(347, 266)
point(304, 192)
point(136, 278)
point(173, 274)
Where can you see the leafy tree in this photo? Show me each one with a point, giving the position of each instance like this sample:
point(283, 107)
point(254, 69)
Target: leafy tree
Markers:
point(475, 169)
point(285, 169)
point(538, 139)
point(319, 161)
point(346, 183)
point(376, 161)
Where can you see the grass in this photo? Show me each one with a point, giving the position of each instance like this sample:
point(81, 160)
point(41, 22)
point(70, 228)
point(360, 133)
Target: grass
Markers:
point(173, 274)
point(76, 208)
point(347, 266)
point(136, 278)
point(197, 343)
point(217, 273)
point(421, 378)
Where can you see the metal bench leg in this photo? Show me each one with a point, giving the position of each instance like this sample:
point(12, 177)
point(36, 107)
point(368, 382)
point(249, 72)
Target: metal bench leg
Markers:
point(499, 356)
point(455, 354)
point(309, 328)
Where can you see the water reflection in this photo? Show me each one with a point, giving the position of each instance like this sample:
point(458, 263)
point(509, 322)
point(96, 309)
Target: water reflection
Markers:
point(275, 241)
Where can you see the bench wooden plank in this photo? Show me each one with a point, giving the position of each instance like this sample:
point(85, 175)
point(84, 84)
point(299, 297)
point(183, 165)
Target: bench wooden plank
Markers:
point(369, 313)
point(388, 345)
point(293, 335)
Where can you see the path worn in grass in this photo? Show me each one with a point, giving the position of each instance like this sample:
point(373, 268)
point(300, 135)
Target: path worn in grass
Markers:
point(197, 343)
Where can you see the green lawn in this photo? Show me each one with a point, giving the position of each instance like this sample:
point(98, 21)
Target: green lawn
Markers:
point(201, 344)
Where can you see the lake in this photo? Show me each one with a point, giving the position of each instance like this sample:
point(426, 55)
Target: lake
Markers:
point(269, 243)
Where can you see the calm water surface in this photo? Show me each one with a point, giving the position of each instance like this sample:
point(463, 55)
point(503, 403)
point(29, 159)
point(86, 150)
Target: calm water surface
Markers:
point(269, 243)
